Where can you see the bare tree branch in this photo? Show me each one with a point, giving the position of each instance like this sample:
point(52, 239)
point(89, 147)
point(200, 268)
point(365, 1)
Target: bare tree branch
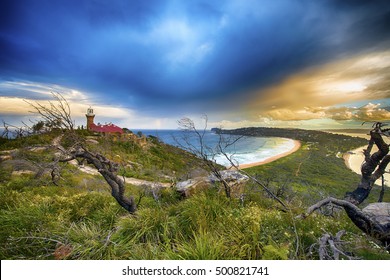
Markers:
point(374, 165)
point(331, 247)
point(254, 179)
point(106, 168)
point(57, 114)
point(208, 154)
point(12, 131)
point(371, 223)
point(198, 146)
point(374, 220)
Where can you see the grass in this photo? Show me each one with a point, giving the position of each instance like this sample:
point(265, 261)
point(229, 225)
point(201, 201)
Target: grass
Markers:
point(80, 220)
point(316, 171)
point(37, 222)
point(154, 161)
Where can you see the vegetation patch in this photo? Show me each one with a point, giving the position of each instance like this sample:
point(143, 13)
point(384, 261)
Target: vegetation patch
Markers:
point(79, 219)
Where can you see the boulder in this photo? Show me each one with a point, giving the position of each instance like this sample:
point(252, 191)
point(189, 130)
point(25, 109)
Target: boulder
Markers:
point(230, 176)
point(380, 212)
point(5, 157)
point(235, 179)
point(192, 186)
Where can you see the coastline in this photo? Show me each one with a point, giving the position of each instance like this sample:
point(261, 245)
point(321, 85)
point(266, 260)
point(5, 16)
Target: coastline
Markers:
point(354, 160)
point(297, 145)
point(352, 134)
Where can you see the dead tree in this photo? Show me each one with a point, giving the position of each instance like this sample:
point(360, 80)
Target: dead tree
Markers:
point(374, 220)
point(106, 168)
point(222, 146)
point(14, 132)
point(195, 143)
point(57, 114)
point(374, 165)
point(329, 247)
point(208, 154)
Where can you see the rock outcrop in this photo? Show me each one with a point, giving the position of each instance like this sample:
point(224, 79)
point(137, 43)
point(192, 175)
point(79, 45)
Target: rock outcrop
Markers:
point(379, 211)
point(234, 178)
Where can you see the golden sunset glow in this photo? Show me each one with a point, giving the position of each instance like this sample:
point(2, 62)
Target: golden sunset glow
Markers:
point(328, 91)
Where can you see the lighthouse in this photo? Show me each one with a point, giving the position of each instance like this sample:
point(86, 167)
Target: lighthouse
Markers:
point(90, 116)
point(101, 128)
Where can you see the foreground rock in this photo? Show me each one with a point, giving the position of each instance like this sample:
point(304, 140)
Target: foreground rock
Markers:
point(235, 179)
point(379, 211)
point(7, 155)
point(373, 220)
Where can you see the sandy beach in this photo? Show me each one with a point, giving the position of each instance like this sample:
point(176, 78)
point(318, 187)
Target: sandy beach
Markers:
point(296, 147)
point(354, 160)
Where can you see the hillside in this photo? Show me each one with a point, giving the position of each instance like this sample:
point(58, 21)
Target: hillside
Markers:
point(79, 219)
point(318, 165)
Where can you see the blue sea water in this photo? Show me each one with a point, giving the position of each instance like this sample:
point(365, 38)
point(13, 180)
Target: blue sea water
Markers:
point(245, 151)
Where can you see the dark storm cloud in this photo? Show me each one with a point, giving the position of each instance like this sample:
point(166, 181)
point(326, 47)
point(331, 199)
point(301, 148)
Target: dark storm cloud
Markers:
point(165, 55)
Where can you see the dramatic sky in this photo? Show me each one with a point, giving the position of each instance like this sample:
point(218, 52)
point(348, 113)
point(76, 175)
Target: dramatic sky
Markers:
point(146, 64)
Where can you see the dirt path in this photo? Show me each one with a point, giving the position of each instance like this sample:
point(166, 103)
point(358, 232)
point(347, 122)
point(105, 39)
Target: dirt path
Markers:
point(129, 180)
point(299, 166)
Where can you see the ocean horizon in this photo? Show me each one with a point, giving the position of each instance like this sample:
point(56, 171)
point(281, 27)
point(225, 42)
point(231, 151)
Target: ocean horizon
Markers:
point(247, 150)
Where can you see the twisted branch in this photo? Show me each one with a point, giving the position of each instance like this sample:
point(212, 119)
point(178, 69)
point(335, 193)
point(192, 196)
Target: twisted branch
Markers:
point(370, 223)
point(373, 167)
point(107, 169)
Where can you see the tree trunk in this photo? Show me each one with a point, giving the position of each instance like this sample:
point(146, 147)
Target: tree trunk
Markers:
point(372, 169)
point(374, 220)
point(108, 170)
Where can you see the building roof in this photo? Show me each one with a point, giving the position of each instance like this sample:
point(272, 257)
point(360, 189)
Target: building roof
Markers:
point(106, 128)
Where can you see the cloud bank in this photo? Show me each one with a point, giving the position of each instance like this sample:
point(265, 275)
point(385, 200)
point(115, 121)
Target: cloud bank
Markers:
point(164, 59)
point(349, 89)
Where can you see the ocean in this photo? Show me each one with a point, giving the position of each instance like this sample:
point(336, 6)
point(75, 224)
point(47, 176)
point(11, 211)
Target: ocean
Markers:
point(246, 150)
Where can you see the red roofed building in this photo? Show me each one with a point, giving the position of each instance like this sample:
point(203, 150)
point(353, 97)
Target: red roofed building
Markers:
point(106, 128)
